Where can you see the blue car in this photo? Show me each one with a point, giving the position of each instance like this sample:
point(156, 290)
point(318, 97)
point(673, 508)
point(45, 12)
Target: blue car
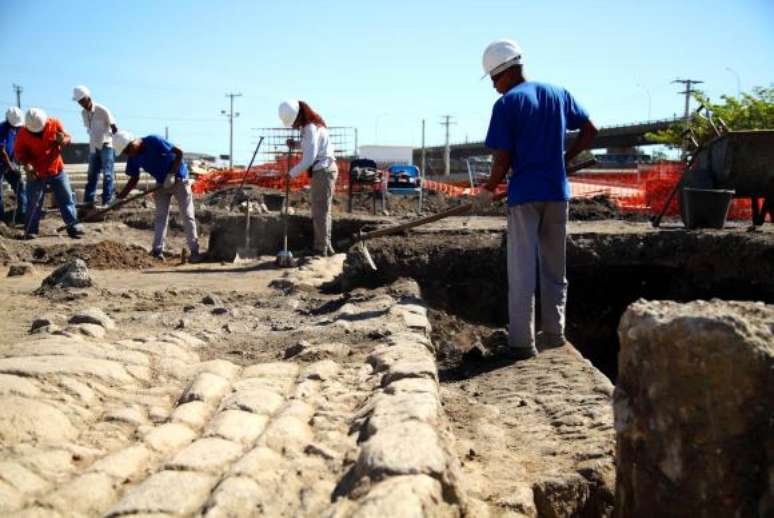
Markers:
point(404, 179)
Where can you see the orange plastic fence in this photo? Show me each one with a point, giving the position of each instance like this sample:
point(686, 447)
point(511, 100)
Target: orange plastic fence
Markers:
point(644, 190)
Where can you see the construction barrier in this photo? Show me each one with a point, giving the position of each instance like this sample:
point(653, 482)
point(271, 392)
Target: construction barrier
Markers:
point(642, 190)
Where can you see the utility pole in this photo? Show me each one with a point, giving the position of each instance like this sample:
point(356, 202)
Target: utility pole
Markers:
point(424, 155)
point(231, 116)
point(18, 89)
point(688, 91)
point(422, 170)
point(166, 132)
point(357, 152)
point(446, 122)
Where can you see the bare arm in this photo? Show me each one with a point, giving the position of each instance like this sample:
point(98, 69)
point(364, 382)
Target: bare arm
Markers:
point(587, 133)
point(502, 162)
point(131, 184)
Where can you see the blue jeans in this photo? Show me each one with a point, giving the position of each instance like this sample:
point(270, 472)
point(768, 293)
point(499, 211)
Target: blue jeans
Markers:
point(16, 181)
point(100, 160)
point(36, 190)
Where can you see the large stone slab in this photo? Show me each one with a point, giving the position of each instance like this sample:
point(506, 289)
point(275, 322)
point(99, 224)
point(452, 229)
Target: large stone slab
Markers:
point(173, 492)
point(693, 409)
point(23, 419)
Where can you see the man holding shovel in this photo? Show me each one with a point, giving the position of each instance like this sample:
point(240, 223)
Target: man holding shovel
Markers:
point(164, 162)
point(527, 131)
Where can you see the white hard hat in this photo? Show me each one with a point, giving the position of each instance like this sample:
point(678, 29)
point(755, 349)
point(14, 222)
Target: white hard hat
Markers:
point(120, 140)
point(80, 92)
point(35, 120)
point(14, 116)
point(288, 111)
point(501, 55)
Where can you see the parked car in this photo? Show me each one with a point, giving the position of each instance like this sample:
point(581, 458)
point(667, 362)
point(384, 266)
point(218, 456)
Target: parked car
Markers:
point(404, 179)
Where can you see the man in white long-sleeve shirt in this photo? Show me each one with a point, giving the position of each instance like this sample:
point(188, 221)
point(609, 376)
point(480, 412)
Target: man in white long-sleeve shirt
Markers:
point(101, 126)
point(319, 159)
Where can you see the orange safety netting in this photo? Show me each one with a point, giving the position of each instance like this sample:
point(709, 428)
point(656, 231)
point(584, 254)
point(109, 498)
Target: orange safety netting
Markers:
point(643, 190)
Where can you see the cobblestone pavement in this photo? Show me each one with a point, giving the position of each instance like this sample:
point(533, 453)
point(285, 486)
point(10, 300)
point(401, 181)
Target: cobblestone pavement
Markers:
point(142, 426)
point(104, 417)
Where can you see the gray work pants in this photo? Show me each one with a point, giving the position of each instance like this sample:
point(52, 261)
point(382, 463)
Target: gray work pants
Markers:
point(536, 243)
point(163, 198)
point(323, 184)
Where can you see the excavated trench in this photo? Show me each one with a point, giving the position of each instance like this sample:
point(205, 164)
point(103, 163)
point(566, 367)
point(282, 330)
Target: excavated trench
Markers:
point(463, 277)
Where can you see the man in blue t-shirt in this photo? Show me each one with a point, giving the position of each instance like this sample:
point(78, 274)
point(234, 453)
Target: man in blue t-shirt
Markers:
point(9, 171)
point(164, 162)
point(526, 133)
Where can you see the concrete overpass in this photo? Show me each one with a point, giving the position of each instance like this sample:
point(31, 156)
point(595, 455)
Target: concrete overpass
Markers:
point(623, 136)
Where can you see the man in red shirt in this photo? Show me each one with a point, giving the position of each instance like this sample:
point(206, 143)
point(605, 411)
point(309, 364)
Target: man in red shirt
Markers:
point(39, 149)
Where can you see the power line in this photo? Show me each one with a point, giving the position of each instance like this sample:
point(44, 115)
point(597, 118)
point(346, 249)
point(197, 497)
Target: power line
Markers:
point(446, 122)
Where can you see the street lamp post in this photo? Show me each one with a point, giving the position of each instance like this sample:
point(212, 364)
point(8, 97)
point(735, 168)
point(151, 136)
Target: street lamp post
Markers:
point(738, 81)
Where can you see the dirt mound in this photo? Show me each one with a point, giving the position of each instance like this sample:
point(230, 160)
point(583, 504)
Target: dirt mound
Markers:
point(103, 255)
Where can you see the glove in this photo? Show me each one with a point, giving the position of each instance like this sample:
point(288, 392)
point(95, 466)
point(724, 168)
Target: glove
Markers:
point(169, 181)
point(483, 199)
point(294, 173)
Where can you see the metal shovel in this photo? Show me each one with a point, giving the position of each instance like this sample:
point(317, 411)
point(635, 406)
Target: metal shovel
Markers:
point(246, 253)
point(285, 257)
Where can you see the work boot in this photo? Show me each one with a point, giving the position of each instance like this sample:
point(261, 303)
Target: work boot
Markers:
point(549, 340)
point(157, 254)
point(497, 344)
point(520, 353)
point(29, 236)
point(196, 257)
point(75, 231)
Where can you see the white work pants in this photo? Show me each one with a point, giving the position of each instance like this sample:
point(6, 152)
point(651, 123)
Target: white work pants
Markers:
point(323, 185)
point(536, 243)
point(163, 198)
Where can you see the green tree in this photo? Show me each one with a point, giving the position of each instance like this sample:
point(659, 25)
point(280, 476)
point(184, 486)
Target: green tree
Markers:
point(753, 110)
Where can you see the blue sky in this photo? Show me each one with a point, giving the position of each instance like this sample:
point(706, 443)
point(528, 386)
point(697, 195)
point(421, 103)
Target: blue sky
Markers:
point(379, 66)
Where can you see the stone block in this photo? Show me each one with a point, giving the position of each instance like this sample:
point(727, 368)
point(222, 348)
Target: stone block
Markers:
point(11, 499)
point(124, 464)
point(410, 496)
point(172, 492)
point(169, 437)
point(21, 478)
point(260, 463)
point(106, 370)
point(693, 409)
point(93, 316)
point(208, 454)
point(235, 497)
point(238, 426)
point(287, 433)
point(18, 386)
point(72, 274)
point(193, 414)
point(206, 387)
point(424, 368)
point(408, 448)
point(19, 269)
point(89, 495)
point(321, 370)
point(90, 330)
point(286, 370)
point(257, 401)
point(31, 420)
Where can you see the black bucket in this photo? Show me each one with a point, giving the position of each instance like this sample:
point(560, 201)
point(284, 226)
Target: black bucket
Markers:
point(274, 202)
point(706, 208)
